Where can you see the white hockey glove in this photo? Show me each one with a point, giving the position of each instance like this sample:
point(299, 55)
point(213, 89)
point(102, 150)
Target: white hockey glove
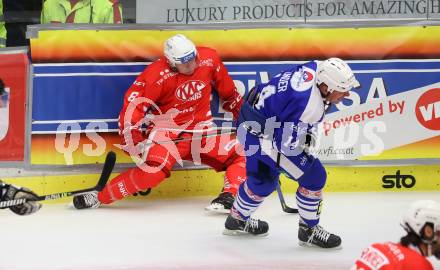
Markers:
point(11, 192)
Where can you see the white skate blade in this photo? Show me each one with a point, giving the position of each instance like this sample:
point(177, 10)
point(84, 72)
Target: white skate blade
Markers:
point(243, 233)
point(310, 245)
point(217, 208)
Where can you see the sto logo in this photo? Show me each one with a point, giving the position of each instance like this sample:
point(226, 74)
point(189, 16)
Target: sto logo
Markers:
point(398, 180)
point(190, 90)
point(428, 109)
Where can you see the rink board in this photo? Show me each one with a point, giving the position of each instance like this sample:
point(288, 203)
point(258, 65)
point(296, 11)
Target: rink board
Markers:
point(86, 98)
point(183, 183)
point(88, 78)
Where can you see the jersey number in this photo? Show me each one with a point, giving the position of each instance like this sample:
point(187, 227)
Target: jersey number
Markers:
point(265, 93)
point(133, 96)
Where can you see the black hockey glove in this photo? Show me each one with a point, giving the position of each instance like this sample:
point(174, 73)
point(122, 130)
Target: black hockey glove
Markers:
point(11, 192)
point(310, 141)
point(2, 87)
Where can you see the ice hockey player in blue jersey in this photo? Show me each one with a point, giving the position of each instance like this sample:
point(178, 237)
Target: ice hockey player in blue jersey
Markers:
point(273, 125)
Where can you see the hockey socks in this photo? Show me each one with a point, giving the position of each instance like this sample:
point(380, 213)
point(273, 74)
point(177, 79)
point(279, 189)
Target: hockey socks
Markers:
point(309, 205)
point(245, 203)
point(129, 182)
point(235, 174)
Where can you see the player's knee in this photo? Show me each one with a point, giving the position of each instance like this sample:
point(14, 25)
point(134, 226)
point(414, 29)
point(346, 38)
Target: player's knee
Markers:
point(264, 180)
point(315, 178)
point(151, 177)
point(266, 173)
point(239, 163)
point(234, 159)
point(261, 187)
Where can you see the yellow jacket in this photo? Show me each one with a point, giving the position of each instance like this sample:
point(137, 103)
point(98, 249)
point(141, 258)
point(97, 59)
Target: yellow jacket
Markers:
point(2, 27)
point(84, 11)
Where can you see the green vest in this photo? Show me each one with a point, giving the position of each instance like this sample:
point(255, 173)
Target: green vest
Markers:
point(85, 11)
point(2, 27)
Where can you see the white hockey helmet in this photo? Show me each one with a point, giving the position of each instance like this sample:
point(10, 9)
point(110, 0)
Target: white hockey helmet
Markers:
point(420, 214)
point(336, 74)
point(179, 49)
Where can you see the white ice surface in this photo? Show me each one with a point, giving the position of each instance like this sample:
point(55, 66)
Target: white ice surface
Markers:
point(180, 234)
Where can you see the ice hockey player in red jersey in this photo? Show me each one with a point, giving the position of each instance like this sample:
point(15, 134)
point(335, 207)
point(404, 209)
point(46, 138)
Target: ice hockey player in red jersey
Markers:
point(422, 224)
point(171, 97)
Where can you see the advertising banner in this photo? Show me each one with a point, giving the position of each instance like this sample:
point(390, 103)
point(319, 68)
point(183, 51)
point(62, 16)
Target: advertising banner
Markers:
point(394, 115)
point(14, 74)
point(402, 125)
point(293, 11)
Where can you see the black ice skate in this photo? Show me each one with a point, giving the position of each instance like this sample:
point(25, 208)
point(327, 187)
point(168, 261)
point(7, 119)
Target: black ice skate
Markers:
point(252, 226)
point(89, 200)
point(221, 204)
point(317, 237)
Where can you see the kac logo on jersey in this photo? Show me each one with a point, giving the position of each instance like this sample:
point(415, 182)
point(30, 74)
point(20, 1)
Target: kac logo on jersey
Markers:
point(303, 79)
point(190, 90)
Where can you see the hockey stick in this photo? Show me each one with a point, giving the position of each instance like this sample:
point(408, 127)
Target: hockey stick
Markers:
point(107, 169)
point(284, 206)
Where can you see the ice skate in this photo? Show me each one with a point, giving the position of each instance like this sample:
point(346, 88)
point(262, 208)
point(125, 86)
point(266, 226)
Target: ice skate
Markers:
point(88, 200)
point(251, 226)
point(222, 204)
point(317, 236)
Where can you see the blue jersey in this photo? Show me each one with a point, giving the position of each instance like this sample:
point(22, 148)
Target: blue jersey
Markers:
point(276, 117)
point(292, 96)
point(293, 100)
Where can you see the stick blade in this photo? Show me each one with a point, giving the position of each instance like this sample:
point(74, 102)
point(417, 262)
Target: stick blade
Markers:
point(290, 210)
point(107, 169)
point(284, 206)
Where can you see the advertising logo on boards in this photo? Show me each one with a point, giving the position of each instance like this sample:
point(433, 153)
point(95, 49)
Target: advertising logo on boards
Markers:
point(428, 109)
point(398, 180)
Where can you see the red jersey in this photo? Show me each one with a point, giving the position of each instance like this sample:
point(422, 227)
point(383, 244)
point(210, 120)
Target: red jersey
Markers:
point(188, 95)
point(390, 256)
